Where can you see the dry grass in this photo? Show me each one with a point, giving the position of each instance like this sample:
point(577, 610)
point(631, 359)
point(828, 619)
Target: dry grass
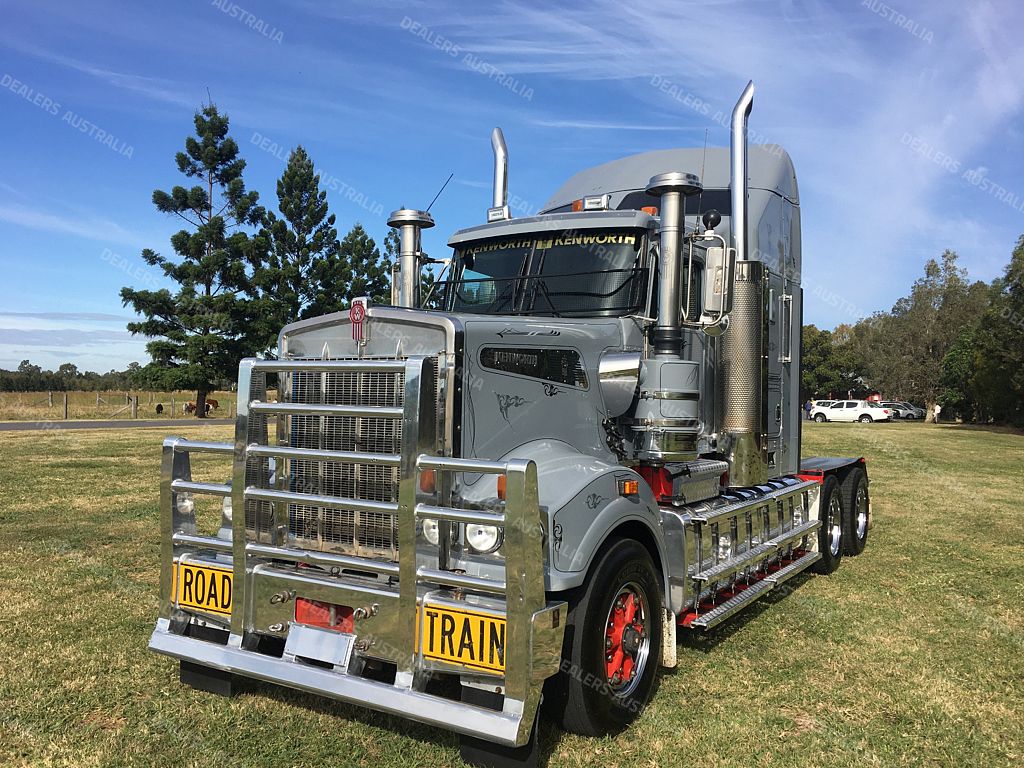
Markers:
point(35, 406)
point(912, 654)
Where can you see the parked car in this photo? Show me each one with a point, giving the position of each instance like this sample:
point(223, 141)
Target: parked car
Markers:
point(917, 411)
point(852, 410)
point(900, 410)
point(821, 403)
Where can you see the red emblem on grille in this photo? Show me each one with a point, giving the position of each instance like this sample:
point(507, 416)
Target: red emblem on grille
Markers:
point(357, 314)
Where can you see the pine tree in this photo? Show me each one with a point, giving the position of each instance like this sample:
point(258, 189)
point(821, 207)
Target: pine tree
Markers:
point(201, 330)
point(358, 270)
point(290, 282)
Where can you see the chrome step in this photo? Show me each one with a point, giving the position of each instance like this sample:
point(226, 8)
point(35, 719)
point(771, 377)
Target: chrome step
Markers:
point(730, 566)
point(733, 564)
point(733, 605)
point(794, 568)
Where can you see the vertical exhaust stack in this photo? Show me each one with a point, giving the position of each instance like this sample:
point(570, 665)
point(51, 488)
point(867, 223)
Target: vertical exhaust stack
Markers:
point(742, 371)
point(499, 205)
point(410, 224)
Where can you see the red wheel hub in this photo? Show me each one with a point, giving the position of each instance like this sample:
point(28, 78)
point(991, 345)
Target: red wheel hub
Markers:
point(623, 636)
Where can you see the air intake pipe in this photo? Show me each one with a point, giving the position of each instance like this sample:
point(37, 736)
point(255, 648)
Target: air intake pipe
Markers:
point(671, 187)
point(410, 224)
point(667, 418)
point(499, 208)
point(742, 370)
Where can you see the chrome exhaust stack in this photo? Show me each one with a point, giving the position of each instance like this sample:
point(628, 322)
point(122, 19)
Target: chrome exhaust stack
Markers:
point(742, 355)
point(410, 224)
point(499, 205)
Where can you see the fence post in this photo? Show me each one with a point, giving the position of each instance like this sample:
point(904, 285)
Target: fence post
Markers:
point(97, 398)
point(135, 407)
point(65, 406)
point(174, 410)
point(49, 396)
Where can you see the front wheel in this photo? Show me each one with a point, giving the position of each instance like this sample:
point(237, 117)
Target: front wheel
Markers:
point(612, 643)
point(820, 418)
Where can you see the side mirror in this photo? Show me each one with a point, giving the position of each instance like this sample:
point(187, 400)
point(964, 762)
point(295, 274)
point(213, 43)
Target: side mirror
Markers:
point(718, 265)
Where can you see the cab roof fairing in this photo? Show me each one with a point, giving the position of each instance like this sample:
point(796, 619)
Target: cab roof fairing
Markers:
point(769, 165)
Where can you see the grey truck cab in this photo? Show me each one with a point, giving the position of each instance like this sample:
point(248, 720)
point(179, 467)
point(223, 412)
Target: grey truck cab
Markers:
point(590, 440)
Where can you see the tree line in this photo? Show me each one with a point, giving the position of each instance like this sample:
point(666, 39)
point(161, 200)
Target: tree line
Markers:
point(29, 377)
point(950, 341)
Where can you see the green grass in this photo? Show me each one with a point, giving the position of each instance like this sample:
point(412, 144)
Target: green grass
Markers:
point(911, 654)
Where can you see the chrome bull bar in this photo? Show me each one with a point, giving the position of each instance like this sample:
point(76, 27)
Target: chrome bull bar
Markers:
point(399, 591)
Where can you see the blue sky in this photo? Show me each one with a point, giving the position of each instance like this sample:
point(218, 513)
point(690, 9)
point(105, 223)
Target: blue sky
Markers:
point(903, 120)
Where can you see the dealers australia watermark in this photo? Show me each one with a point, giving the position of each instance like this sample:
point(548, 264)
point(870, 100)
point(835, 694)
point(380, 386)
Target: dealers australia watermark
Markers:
point(429, 36)
point(253, 22)
point(976, 177)
point(70, 117)
point(470, 60)
point(905, 23)
point(494, 74)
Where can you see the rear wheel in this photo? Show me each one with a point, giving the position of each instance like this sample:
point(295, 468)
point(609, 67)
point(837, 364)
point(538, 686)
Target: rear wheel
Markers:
point(612, 644)
point(865, 419)
point(820, 418)
point(856, 511)
point(830, 535)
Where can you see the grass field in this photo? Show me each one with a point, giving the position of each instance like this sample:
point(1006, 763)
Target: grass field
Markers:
point(911, 654)
point(36, 406)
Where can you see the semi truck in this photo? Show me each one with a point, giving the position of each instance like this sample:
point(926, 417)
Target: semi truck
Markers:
point(514, 501)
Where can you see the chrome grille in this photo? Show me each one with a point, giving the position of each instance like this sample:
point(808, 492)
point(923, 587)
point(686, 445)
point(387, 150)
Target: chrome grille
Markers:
point(334, 530)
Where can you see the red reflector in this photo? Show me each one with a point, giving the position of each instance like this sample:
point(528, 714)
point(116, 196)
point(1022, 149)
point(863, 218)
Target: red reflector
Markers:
point(327, 615)
point(659, 479)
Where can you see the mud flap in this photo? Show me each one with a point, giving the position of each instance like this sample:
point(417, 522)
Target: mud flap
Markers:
point(487, 754)
point(206, 678)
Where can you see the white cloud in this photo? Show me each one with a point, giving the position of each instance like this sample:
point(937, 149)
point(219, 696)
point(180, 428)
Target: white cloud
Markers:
point(89, 227)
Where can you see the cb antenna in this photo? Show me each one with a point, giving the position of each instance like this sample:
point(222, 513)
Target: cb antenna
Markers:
point(440, 191)
point(703, 164)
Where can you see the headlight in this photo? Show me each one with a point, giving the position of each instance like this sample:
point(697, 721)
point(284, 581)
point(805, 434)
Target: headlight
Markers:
point(483, 538)
point(184, 504)
point(431, 531)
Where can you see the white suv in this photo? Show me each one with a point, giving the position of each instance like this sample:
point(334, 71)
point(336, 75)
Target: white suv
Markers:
point(852, 410)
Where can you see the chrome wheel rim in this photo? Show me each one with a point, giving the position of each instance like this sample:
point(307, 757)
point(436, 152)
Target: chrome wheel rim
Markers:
point(862, 512)
point(835, 532)
point(627, 639)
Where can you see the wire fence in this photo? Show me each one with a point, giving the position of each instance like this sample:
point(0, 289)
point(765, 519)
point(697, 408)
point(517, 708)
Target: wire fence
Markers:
point(121, 404)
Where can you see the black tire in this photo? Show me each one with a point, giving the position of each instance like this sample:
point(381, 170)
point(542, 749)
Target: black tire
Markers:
point(582, 696)
point(820, 418)
point(865, 419)
point(830, 534)
point(856, 511)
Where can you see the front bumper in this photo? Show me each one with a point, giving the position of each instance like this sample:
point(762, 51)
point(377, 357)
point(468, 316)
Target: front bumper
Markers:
point(387, 598)
point(509, 727)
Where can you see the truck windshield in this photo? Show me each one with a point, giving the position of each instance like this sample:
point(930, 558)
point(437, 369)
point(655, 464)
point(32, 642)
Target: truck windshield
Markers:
point(564, 274)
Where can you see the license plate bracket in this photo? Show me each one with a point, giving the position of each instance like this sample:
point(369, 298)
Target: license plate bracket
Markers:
point(324, 645)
